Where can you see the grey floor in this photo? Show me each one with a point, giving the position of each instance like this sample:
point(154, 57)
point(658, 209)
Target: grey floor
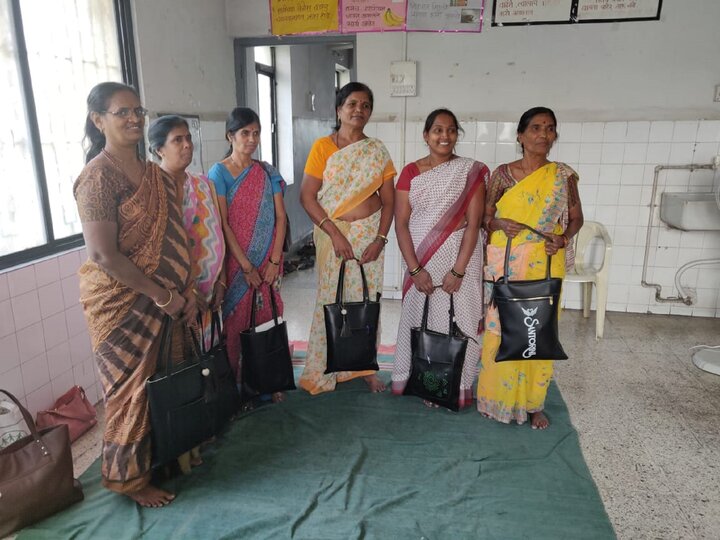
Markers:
point(647, 418)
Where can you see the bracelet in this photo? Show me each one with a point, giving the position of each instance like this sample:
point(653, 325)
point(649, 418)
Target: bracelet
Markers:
point(382, 237)
point(322, 222)
point(456, 274)
point(223, 284)
point(166, 304)
point(273, 262)
point(416, 271)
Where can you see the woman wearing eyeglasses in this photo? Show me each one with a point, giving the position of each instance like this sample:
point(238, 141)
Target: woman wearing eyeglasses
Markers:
point(137, 273)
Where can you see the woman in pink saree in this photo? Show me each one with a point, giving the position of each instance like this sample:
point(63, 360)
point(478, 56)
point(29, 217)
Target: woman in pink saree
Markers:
point(250, 194)
point(438, 212)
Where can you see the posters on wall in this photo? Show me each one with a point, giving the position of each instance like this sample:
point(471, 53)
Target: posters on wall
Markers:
point(372, 15)
point(303, 16)
point(444, 15)
point(515, 12)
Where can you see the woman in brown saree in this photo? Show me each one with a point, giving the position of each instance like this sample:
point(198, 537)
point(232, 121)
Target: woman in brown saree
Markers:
point(137, 272)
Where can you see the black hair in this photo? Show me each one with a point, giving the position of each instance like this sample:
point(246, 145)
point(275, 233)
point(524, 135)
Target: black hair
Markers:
point(430, 120)
point(344, 93)
point(160, 128)
point(97, 102)
point(238, 118)
point(528, 115)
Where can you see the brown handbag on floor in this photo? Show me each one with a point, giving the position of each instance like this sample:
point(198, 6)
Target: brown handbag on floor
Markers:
point(36, 475)
point(73, 409)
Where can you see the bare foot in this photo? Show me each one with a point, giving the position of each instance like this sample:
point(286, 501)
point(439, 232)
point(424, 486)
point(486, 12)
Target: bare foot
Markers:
point(430, 404)
point(539, 420)
point(375, 384)
point(278, 397)
point(151, 497)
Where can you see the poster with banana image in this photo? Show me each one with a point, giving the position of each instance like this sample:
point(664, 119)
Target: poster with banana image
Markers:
point(372, 15)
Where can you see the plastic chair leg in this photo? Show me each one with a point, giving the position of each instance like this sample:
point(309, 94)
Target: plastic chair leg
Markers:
point(586, 298)
point(602, 293)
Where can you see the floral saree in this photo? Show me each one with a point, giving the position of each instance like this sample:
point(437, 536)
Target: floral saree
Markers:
point(439, 199)
point(510, 391)
point(251, 215)
point(125, 325)
point(351, 175)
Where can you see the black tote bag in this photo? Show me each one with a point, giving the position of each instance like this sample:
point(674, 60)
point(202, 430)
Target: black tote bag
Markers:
point(437, 361)
point(178, 396)
point(223, 397)
point(351, 329)
point(266, 360)
point(528, 311)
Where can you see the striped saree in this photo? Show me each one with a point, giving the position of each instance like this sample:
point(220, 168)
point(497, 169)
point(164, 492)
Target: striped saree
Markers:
point(125, 325)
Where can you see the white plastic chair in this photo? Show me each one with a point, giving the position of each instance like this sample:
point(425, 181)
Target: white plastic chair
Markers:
point(587, 274)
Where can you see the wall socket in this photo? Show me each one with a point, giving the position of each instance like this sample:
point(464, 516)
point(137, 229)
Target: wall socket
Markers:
point(717, 92)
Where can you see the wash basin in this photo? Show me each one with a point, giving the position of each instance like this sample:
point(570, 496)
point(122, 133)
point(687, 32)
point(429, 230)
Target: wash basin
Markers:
point(690, 211)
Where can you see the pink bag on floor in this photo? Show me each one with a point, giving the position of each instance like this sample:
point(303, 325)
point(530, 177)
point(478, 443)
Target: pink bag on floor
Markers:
point(73, 409)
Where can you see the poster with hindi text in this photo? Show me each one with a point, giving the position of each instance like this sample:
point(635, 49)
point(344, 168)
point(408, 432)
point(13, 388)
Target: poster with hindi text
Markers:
point(303, 16)
point(615, 10)
point(444, 15)
point(531, 11)
point(372, 15)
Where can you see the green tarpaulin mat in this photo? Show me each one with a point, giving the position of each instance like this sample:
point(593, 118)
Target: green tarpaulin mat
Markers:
point(354, 465)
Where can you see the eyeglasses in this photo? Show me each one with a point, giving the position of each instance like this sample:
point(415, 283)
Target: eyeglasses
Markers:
point(125, 112)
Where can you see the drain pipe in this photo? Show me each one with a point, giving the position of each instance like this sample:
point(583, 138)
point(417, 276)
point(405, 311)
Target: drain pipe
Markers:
point(687, 300)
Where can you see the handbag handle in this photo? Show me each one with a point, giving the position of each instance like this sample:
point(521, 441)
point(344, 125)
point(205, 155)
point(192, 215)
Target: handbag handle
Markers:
point(341, 283)
point(165, 343)
point(451, 312)
point(214, 330)
point(253, 306)
point(29, 421)
point(506, 265)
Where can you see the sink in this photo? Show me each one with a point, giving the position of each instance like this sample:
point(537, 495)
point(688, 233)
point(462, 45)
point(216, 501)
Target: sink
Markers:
point(690, 211)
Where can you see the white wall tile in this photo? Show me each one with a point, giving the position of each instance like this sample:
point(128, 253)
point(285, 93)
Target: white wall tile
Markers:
point(35, 373)
point(486, 132)
point(610, 175)
point(681, 153)
point(685, 131)
point(58, 359)
point(9, 353)
point(570, 132)
point(705, 152)
point(47, 272)
point(632, 175)
point(13, 383)
point(661, 131)
point(465, 149)
point(26, 309)
point(485, 152)
point(62, 383)
point(635, 153)
point(605, 214)
point(470, 130)
point(590, 152)
point(592, 132)
point(7, 322)
point(80, 349)
point(615, 132)
point(569, 152)
point(658, 153)
point(40, 399)
point(630, 196)
point(51, 299)
point(30, 341)
point(71, 290)
point(637, 132)
point(55, 330)
point(709, 131)
point(506, 132)
point(505, 152)
point(69, 263)
point(4, 289)
point(21, 281)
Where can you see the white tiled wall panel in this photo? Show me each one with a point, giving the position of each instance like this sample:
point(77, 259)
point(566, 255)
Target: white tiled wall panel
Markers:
point(616, 162)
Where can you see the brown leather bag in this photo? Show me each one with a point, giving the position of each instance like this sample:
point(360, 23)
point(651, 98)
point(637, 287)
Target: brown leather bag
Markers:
point(73, 409)
point(36, 475)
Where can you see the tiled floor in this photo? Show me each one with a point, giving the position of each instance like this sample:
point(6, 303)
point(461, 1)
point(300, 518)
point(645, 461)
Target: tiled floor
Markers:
point(647, 418)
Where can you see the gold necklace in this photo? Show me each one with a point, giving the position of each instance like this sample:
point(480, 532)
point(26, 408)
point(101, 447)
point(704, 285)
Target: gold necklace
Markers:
point(238, 165)
point(119, 163)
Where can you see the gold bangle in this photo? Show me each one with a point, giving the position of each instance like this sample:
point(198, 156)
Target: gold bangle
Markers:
point(456, 274)
point(223, 284)
point(322, 222)
point(415, 271)
point(273, 262)
point(166, 304)
point(382, 237)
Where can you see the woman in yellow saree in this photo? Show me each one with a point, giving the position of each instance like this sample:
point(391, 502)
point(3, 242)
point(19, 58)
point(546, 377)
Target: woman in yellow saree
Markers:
point(348, 193)
point(536, 192)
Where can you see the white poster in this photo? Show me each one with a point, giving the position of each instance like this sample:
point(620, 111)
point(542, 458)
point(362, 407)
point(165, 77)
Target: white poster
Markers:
point(445, 15)
point(531, 11)
point(592, 10)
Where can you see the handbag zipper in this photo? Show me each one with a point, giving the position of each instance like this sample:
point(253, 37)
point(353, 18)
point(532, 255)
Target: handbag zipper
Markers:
point(533, 298)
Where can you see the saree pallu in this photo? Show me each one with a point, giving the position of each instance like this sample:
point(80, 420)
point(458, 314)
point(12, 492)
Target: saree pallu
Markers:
point(205, 240)
point(251, 215)
point(510, 391)
point(125, 325)
point(351, 175)
point(439, 199)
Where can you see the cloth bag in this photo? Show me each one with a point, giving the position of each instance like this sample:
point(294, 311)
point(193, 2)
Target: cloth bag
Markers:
point(437, 361)
point(12, 424)
point(351, 329)
point(73, 409)
point(224, 396)
point(266, 359)
point(36, 475)
point(179, 396)
point(528, 312)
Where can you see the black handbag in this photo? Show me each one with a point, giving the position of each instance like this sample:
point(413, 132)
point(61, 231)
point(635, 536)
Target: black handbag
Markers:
point(528, 311)
point(223, 397)
point(178, 395)
point(351, 329)
point(266, 359)
point(437, 361)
